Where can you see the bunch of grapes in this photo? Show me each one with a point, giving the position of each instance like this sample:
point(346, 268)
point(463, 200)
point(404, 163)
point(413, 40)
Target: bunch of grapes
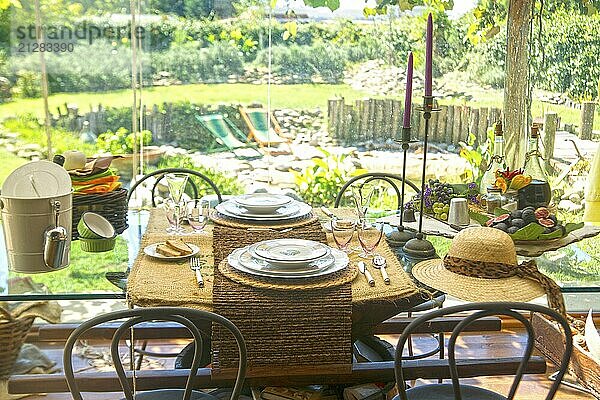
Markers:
point(437, 197)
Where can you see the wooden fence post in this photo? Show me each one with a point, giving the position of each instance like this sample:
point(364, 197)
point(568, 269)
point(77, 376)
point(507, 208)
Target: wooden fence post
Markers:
point(456, 125)
point(587, 120)
point(483, 125)
point(449, 125)
point(474, 125)
point(550, 122)
point(441, 125)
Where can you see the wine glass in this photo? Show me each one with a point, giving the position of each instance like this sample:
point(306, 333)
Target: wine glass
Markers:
point(342, 231)
point(362, 197)
point(370, 232)
point(197, 214)
point(173, 215)
point(176, 183)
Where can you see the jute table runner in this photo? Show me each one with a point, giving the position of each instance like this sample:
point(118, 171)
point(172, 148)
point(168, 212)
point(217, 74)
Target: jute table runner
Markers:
point(315, 316)
point(153, 282)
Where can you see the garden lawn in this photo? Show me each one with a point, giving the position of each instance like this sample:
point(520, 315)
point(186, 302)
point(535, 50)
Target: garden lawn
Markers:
point(306, 96)
point(8, 163)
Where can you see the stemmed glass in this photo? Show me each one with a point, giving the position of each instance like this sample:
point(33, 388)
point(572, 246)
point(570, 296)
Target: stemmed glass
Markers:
point(176, 183)
point(362, 197)
point(198, 212)
point(370, 232)
point(342, 231)
point(173, 215)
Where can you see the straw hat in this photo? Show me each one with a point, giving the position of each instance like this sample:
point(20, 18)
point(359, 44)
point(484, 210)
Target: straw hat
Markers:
point(481, 265)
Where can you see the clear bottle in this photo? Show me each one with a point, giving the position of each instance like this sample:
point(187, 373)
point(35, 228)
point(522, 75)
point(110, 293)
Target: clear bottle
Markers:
point(498, 161)
point(537, 193)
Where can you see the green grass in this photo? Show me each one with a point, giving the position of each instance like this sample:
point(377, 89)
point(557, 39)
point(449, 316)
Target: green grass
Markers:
point(8, 163)
point(306, 96)
point(86, 271)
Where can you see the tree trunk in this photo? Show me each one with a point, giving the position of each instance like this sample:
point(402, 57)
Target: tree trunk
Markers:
point(515, 85)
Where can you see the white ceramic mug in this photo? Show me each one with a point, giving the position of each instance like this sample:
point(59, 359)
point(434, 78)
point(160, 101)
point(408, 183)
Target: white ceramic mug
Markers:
point(458, 214)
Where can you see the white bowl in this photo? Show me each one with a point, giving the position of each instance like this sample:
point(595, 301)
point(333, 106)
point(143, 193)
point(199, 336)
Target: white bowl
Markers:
point(262, 203)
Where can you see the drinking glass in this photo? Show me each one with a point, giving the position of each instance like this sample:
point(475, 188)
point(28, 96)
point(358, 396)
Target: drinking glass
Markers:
point(362, 195)
point(176, 183)
point(197, 214)
point(370, 232)
point(173, 215)
point(342, 231)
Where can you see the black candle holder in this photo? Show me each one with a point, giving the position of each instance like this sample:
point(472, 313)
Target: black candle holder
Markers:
point(399, 236)
point(419, 247)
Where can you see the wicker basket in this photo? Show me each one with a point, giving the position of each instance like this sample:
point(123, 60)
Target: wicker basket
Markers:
point(12, 336)
point(549, 340)
point(112, 206)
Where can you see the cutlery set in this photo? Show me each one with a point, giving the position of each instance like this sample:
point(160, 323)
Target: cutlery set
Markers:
point(380, 263)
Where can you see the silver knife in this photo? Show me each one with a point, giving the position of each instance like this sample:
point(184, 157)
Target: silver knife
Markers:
point(327, 212)
point(362, 267)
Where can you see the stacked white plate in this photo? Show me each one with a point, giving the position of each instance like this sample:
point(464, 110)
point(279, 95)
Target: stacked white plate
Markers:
point(263, 207)
point(288, 259)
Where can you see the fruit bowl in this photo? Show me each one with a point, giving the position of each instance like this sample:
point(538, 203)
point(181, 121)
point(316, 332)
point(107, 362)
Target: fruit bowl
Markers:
point(528, 225)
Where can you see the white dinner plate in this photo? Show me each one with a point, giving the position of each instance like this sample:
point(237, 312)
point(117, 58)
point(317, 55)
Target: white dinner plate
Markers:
point(284, 211)
point(289, 250)
point(150, 250)
point(303, 210)
point(341, 261)
point(262, 203)
point(249, 261)
point(37, 179)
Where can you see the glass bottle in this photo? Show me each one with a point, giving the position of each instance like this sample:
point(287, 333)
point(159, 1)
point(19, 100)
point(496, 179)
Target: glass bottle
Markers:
point(498, 161)
point(537, 193)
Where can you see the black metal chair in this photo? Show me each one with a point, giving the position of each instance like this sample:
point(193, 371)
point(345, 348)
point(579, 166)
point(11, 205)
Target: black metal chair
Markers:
point(369, 177)
point(457, 391)
point(160, 173)
point(438, 301)
point(184, 316)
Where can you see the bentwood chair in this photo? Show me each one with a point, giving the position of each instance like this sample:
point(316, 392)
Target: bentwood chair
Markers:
point(458, 391)
point(160, 174)
point(392, 180)
point(183, 316)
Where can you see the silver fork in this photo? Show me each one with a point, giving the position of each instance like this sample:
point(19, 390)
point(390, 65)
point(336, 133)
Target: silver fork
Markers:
point(195, 265)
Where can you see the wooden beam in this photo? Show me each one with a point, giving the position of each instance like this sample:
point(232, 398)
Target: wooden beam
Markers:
point(361, 373)
point(171, 330)
point(516, 81)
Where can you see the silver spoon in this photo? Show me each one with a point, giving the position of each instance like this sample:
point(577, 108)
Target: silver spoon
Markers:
point(380, 263)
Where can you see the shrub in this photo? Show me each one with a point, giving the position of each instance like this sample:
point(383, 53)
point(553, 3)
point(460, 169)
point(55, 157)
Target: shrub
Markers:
point(300, 63)
point(486, 61)
point(28, 84)
point(320, 183)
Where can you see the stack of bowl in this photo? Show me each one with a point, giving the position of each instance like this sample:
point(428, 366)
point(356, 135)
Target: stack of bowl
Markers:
point(96, 234)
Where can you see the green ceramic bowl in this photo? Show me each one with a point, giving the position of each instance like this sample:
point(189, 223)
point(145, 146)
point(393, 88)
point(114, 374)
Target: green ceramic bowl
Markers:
point(97, 245)
point(94, 226)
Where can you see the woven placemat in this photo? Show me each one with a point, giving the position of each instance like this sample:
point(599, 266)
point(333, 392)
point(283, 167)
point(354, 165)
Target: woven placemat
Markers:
point(301, 328)
point(346, 275)
point(224, 220)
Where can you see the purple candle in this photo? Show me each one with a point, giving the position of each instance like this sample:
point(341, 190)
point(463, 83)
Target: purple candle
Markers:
point(408, 94)
point(428, 55)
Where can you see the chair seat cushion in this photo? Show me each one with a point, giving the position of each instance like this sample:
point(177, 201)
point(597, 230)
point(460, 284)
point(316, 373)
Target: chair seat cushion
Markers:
point(446, 392)
point(171, 394)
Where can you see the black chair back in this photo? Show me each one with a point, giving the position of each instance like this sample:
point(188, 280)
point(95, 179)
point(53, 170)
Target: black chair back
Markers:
point(160, 173)
point(132, 317)
point(481, 310)
point(390, 179)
